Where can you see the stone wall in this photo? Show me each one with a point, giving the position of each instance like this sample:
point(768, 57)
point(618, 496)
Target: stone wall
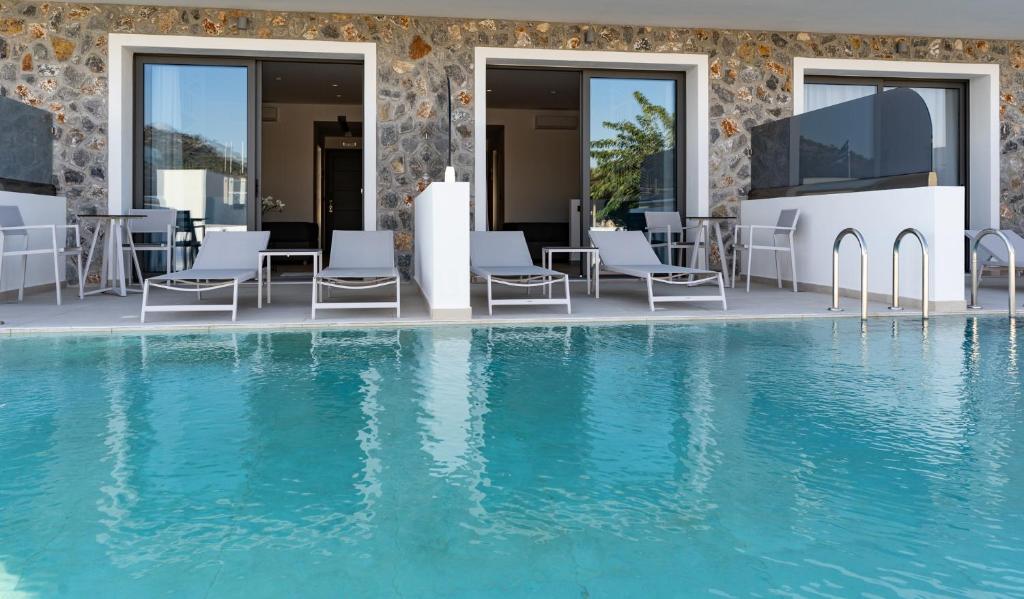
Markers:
point(53, 55)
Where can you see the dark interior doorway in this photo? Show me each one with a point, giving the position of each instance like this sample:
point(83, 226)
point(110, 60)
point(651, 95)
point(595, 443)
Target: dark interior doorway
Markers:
point(343, 192)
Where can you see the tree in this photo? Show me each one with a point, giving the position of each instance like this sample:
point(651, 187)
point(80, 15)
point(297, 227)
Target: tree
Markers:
point(621, 159)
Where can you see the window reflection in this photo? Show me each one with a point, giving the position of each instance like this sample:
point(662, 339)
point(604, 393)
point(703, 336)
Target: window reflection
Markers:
point(943, 107)
point(632, 149)
point(195, 141)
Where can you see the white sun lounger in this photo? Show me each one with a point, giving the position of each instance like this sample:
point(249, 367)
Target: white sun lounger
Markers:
point(992, 251)
point(226, 259)
point(629, 253)
point(503, 257)
point(359, 260)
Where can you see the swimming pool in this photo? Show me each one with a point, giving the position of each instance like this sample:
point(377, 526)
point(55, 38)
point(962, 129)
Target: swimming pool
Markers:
point(795, 458)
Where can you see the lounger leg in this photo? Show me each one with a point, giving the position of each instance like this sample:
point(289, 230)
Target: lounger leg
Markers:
point(398, 297)
point(792, 265)
point(24, 269)
point(312, 303)
point(650, 292)
point(56, 264)
point(733, 277)
point(721, 289)
point(234, 302)
point(118, 242)
point(750, 259)
point(135, 258)
point(92, 249)
point(490, 307)
point(81, 277)
point(778, 267)
point(568, 301)
point(145, 299)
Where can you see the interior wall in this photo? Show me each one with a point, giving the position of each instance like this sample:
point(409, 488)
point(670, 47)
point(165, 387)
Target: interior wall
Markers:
point(288, 157)
point(542, 167)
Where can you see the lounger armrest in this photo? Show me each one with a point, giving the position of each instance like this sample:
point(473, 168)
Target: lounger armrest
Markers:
point(28, 227)
point(752, 227)
point(673, 230)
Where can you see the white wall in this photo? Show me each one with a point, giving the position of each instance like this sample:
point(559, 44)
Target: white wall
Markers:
point(542, 167)
point(289, 160)
point(938, 212)
point(442, 249)
point(35, 210)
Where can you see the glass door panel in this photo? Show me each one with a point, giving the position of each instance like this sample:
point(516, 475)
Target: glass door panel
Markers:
point(631, 156)
point(194, 140)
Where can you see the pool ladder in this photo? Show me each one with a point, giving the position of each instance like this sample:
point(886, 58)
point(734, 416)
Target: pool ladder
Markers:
point(1012, 263)
point(895, 271)
point(863, 271)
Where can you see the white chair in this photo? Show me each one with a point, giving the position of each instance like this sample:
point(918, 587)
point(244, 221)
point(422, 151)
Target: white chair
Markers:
point(784, 230)
point(629, 253)
point(670, 225)
point(503, 257)
point(13, 229)
point(226, 259)
point(359, 260)
point(992, 251)
point(162, 222)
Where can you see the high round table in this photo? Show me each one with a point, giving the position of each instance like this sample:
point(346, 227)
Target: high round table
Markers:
point(112, 268)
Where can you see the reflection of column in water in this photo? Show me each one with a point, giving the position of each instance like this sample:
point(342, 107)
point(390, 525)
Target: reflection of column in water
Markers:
point(453, 404)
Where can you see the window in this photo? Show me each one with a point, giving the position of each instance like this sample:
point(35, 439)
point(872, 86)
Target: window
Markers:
point(194, 138)
point(946, 101)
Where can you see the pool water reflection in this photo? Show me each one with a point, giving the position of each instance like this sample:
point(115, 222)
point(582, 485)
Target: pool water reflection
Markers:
point(615, 461)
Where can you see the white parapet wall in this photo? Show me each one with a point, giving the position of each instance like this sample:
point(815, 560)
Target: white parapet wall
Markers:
point(937, 212)
point(35, 210)
point(442, 249)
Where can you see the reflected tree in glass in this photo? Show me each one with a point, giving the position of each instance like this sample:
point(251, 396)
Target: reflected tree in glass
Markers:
point(631, 167)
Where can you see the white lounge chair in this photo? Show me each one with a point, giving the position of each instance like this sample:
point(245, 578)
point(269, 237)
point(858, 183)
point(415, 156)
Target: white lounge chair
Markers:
point(226, 259)
point(784, 229)
point(628, 253)
point(992, 251)
point(359, 260)
point(503, 257)
point(670, 226)
point(160, 225)
point(13, 227)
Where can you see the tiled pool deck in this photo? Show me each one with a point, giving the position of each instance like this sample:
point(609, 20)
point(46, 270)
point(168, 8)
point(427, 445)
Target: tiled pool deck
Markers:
point(621, 301)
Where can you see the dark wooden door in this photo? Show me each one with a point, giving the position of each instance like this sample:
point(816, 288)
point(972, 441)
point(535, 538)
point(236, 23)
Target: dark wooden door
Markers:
point(343, 193)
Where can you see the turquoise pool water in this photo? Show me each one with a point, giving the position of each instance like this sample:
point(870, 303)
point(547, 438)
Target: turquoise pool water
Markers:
point(787, 458)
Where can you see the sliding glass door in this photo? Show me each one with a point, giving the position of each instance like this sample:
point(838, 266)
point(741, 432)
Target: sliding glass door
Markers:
point(195, 139)
point(632, 161)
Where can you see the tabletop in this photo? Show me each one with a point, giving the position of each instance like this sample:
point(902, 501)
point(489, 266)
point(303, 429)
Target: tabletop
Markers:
point(111, 216)
point(711, 218)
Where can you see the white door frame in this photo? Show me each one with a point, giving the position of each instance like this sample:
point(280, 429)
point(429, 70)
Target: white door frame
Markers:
point(983, 114)
point(123, 48)
point(697, 117)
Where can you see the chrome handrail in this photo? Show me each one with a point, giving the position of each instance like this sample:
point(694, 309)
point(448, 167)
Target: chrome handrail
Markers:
point(896, 270)
point(1012, 274)
point(863, 272)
